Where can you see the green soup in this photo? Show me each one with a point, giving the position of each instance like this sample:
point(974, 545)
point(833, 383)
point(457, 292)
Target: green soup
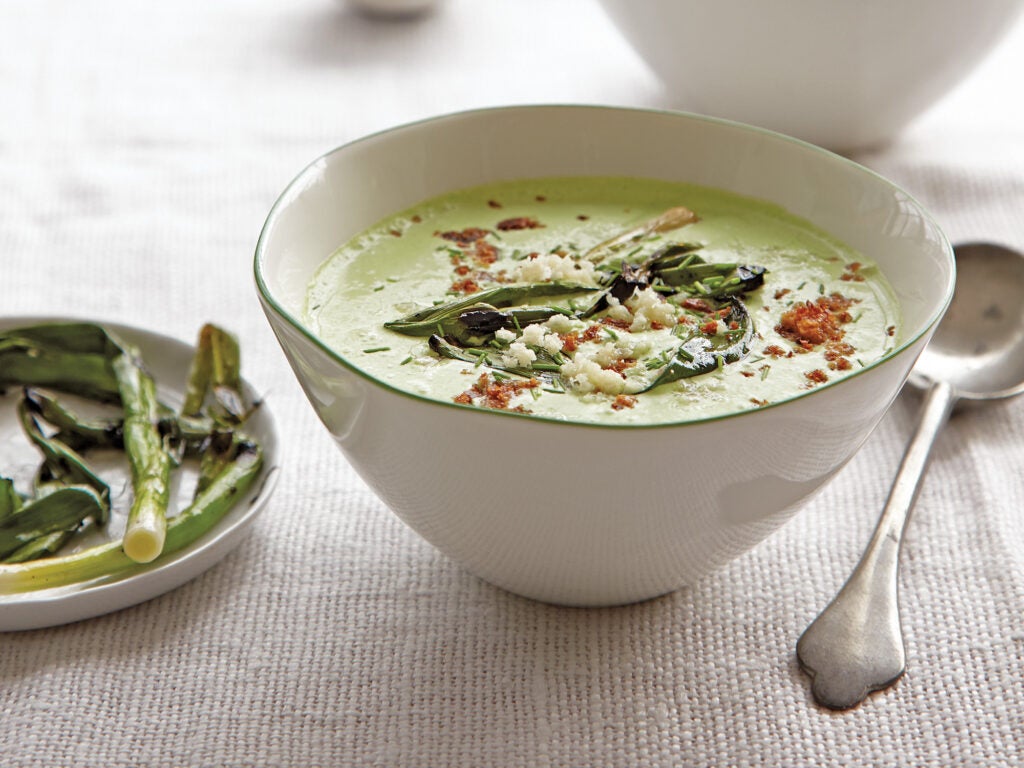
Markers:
point(602, 300)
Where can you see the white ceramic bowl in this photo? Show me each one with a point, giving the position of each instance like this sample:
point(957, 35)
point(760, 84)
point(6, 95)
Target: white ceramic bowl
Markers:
point(841, 74)
point(578, 514)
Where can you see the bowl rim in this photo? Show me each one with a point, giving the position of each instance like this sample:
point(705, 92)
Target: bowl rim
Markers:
point(267, 298)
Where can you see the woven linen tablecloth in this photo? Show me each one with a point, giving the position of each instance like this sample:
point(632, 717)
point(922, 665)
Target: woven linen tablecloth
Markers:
point(141, 146)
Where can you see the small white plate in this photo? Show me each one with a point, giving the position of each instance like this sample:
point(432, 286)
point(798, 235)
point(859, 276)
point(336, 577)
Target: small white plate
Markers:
point(168, 360)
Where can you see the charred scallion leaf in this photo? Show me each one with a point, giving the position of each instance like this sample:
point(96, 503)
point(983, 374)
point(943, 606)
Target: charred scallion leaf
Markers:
point(62, 510)
point(544, 369)
point(673, 218)
point(425, 322)
point(60, 462)
point(149, 460)
point(75, 431)
point(697, 354)
point(216, 367)
point(10, 499)
point(71, 357)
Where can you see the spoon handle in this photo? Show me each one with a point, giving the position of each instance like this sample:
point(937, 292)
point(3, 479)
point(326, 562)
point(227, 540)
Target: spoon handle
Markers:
point(856, 645)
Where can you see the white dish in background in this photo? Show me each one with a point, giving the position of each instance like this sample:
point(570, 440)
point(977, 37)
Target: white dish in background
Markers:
point(168, 360)
point(844, 75)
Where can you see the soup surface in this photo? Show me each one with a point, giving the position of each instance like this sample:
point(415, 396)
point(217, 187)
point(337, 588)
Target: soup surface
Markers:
point(602, 300)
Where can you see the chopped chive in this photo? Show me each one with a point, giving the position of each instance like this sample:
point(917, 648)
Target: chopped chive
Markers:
point(315, 307)
point(371, 350)
point(821, 289)
point(801, 286)
point(611, 334)
point(764, 371)
point(498, 376)
point(406, 361)
point(495, 235)
point(857, 317)
point(391, 279)
point(860, 362)
point(515, 321)
point(634, 251)
point(548, 367)
point(535, 394)
point(378, 288)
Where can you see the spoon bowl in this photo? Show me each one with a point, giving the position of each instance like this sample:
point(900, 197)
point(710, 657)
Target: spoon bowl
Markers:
point(979, 346)
point(855, 646)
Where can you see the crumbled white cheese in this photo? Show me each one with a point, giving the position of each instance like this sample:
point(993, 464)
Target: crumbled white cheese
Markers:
point(564, 324)
point(618, 311)
point(623, 348)
point(537, 335)
point(648, 306)
point(585, 375)
point(518, 355)
point(504, 334)
point(554, 266)
point(533, 334)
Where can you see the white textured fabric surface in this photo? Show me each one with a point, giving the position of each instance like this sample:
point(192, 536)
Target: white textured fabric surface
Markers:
point(141, 146)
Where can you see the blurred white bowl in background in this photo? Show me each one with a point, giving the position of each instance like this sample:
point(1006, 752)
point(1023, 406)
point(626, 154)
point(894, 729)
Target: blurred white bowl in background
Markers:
point(844, 75)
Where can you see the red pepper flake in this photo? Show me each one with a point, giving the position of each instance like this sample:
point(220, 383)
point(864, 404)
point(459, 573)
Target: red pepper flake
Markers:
point(570, 341)
point(817, 376)
point(619, 366)
point(485, 253)
point(760, 403)
point(837, 349)
point(748, 374)
point(622, 325)
point(710, 327)
point(583, 217)
point(462, 269)
point(496, 395)
point(395, 232)
point(696, 305)
point(812, 323)
point(782, 292)
point(656, 326)
point(890, 331)
point(494, 204)
point(416, 219)
point(852, 273)
point(591, 333)
point(465, 286)
point(465, 237)
point(541, 199)
point(623, 401)
point(520, 222)
point(774, 350)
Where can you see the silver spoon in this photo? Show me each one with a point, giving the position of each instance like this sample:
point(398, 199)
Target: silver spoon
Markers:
point(856, 645)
